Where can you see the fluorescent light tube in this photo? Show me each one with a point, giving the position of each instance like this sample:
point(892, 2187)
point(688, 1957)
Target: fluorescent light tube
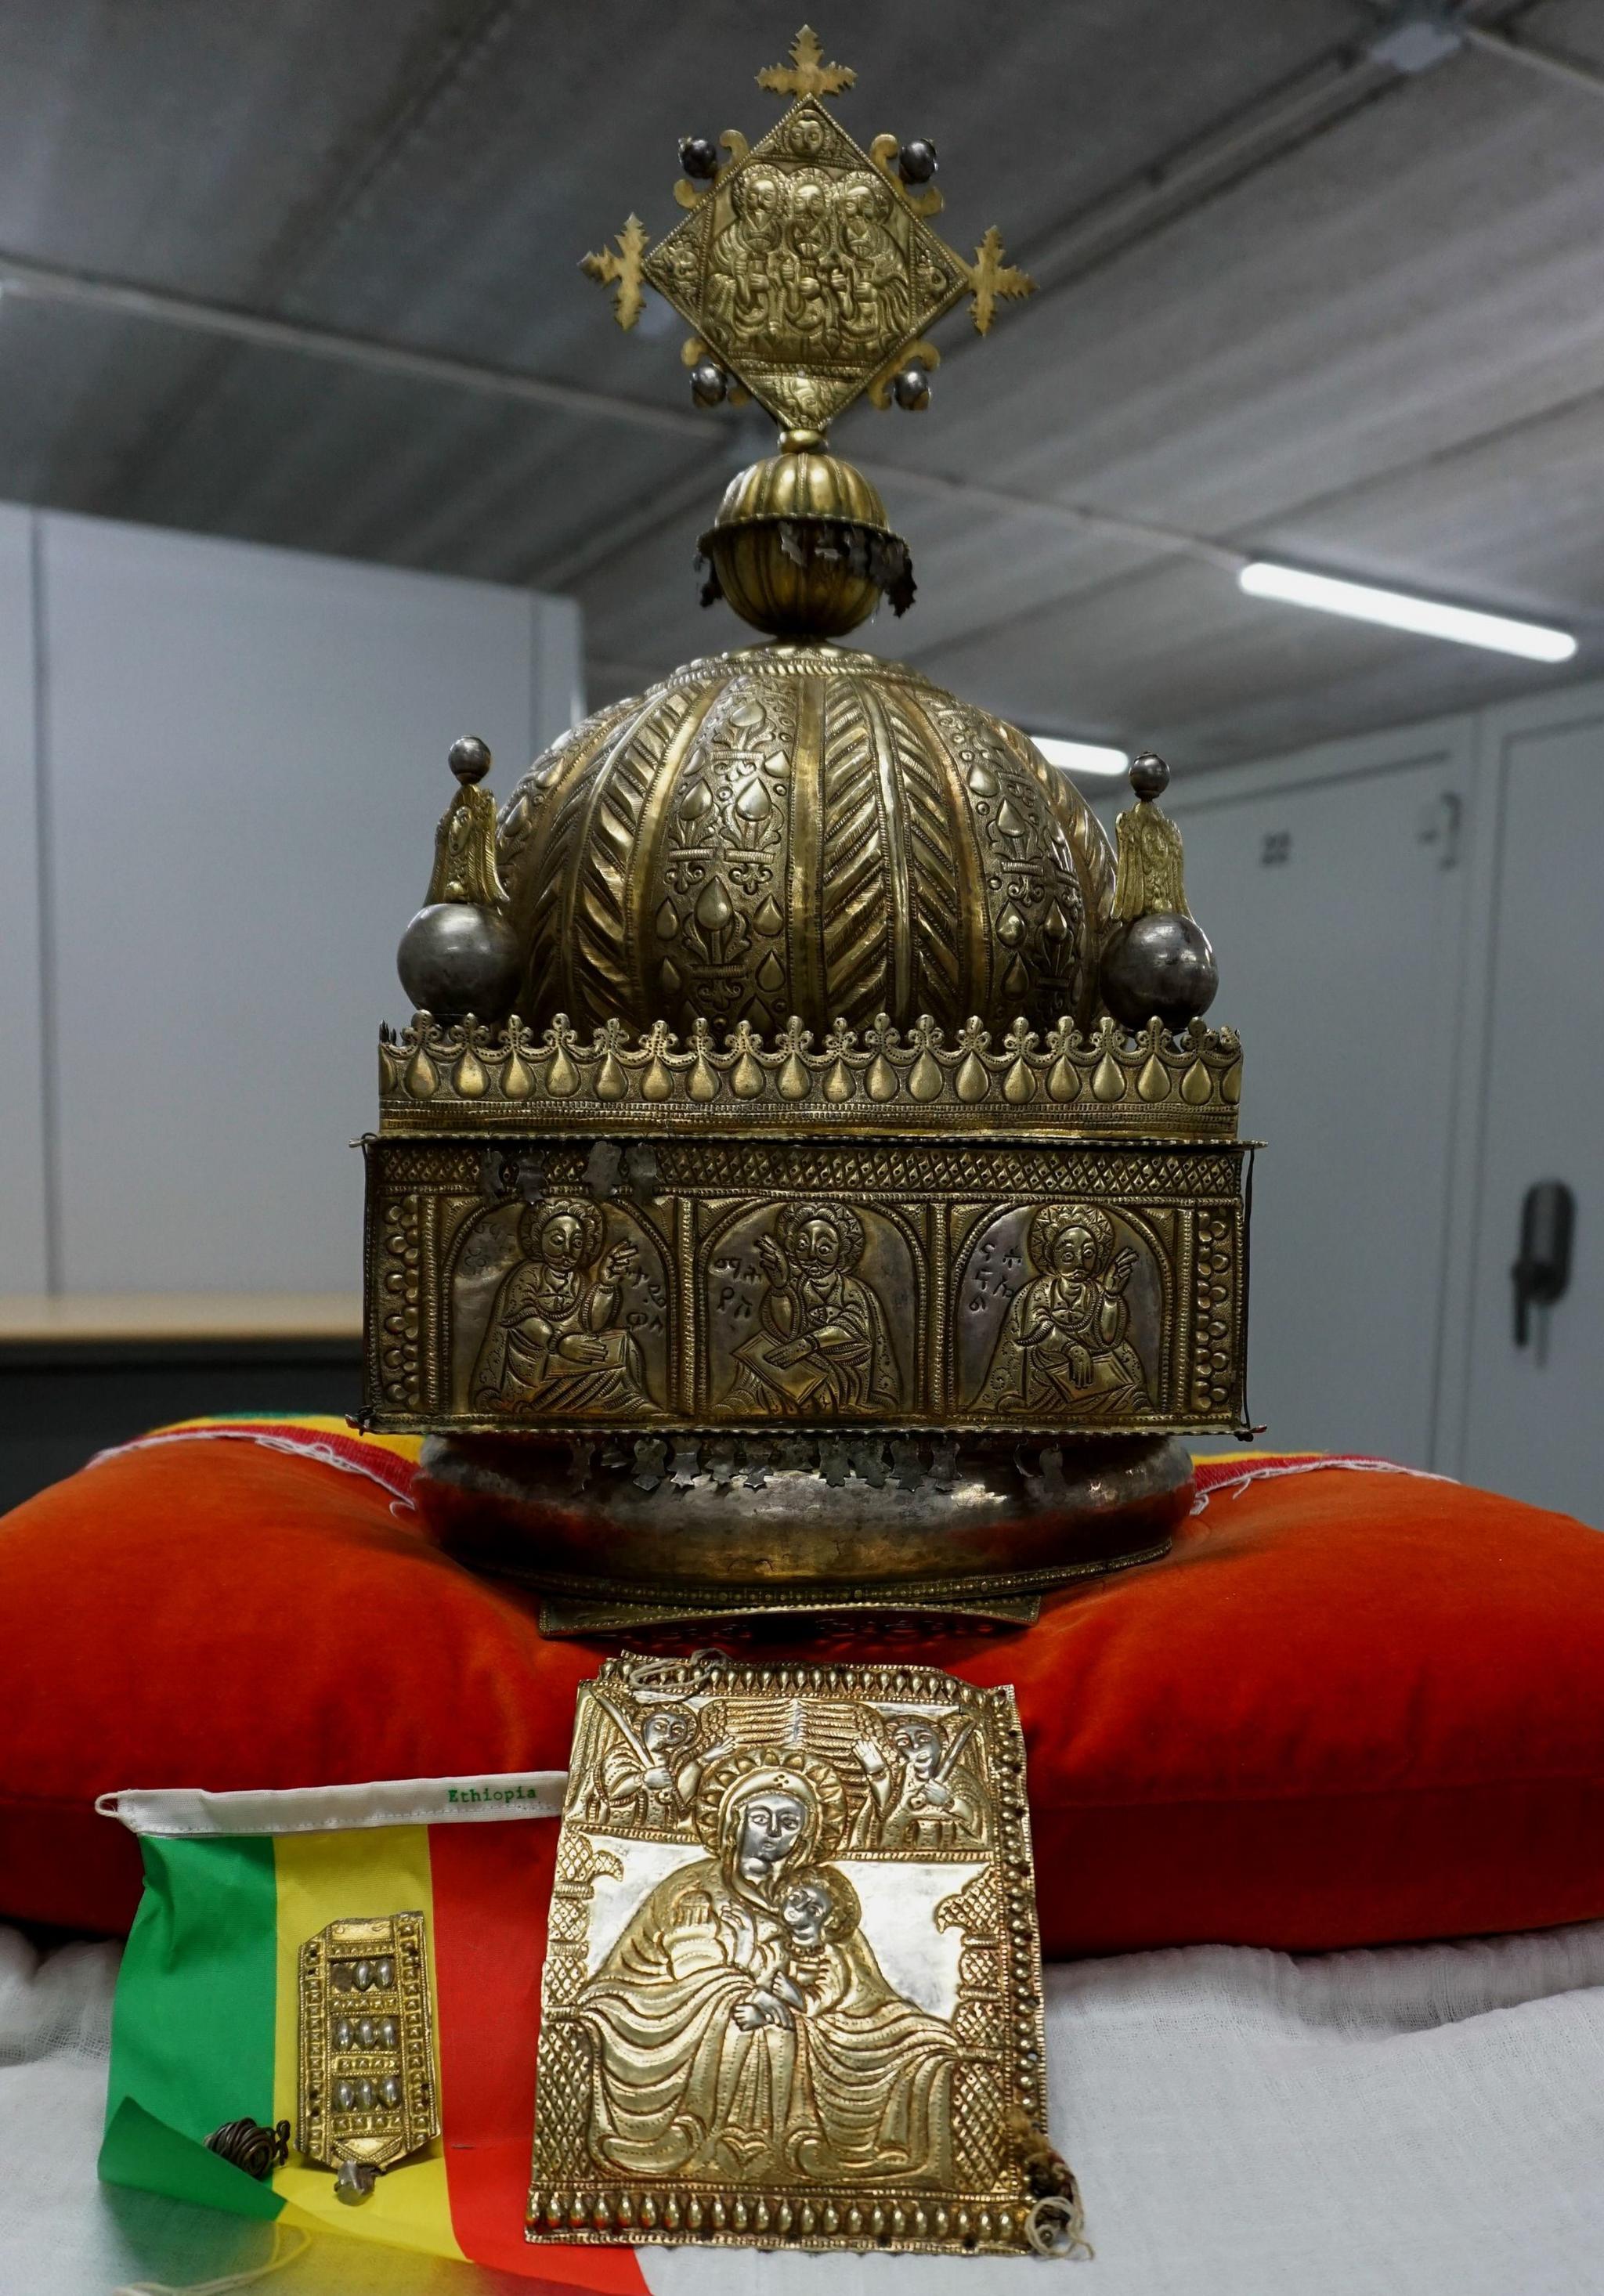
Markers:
point(1080, 757)
point(1263, 578)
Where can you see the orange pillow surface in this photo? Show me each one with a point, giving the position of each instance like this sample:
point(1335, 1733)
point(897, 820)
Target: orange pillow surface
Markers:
point(1350, 1707)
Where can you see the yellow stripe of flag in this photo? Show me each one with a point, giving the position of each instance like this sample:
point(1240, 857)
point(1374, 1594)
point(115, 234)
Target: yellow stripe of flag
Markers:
point(308, 1423)
point(331, 1877)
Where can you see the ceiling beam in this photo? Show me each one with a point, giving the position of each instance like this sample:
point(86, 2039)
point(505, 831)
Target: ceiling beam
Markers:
point(1162, 191)
point(966, 493)
point(126, 299)
point(1231, 558)
point(1566, 69)
point(1155, 196)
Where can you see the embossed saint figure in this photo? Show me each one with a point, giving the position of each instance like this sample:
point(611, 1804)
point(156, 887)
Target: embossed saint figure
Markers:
point(930, 1798)
point(742, 2025)
point(873, 289)
point(807, 263)
point(740, 282)
point(1065, 1348)
point(555, 1342)
point(652, 1775)
point(823, 1350)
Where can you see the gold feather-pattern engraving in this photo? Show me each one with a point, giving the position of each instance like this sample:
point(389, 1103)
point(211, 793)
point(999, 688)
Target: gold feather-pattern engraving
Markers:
point(527, 809)
point(807, 963)
point(853, 908)
point(556, 817)
point(597, 908)
point(902, 954)
point(657, 871)
point(931, 835)
point(1033, 890)
point(770, 836)
point(535, 846)
point(557, 866)
point(1087, 837)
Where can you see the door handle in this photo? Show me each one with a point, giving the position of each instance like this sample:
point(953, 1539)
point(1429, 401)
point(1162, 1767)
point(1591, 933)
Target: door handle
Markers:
point(1442, 819)
point(1543, 1273)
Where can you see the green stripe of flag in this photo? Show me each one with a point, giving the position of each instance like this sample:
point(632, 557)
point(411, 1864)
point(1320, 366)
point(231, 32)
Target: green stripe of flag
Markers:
point(193, 2029)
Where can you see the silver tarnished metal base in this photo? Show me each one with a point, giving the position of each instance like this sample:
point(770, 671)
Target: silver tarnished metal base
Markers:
point(832, 1525)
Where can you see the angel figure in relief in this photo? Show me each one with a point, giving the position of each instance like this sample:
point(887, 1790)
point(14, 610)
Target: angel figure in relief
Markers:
point(652, 1775)
point(927, 1798)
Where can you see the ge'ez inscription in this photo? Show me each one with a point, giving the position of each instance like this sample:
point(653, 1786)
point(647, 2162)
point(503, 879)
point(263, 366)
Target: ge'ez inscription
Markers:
point(992, 1274)
point(739, 1278)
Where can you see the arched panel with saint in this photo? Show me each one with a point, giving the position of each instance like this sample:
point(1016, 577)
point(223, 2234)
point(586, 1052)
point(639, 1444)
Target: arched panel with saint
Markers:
point(574, 1327)
point(800, 1314)
point(1061, 1318)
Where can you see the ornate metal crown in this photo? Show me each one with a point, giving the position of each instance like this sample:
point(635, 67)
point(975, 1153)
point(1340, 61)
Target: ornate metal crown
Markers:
point(794, 1048)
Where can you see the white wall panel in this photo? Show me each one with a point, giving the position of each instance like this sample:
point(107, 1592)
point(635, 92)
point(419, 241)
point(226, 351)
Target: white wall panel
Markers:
point(24, 1242)
point(246, 760)
point(558, 671)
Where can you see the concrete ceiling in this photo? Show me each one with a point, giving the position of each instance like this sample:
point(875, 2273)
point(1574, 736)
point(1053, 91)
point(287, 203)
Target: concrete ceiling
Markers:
point(1293, 300)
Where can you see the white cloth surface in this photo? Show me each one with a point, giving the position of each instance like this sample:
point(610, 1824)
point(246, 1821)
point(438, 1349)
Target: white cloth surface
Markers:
point(1422, 2120)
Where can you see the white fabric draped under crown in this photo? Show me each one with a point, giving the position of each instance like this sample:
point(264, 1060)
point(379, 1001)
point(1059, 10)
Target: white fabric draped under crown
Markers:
point(1426, 2120)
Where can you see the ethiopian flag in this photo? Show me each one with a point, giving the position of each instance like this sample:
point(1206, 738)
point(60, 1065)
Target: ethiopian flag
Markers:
point(205, 2025)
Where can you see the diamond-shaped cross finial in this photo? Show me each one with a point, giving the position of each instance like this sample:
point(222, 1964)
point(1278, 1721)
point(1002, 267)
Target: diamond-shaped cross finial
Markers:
point(805, 265)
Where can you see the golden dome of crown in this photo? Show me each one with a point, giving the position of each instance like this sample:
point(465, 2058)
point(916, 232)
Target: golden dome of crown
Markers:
point(801, 829)
point(796, 840)
point(792, 1032)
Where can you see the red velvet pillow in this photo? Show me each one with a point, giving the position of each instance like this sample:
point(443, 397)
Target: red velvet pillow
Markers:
point(1352, 1707)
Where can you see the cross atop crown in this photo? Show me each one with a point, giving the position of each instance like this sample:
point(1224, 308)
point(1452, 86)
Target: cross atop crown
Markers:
point(806, 266)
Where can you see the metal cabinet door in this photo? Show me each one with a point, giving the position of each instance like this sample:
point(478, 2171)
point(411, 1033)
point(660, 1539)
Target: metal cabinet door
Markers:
point(1534, 1426)
point(1334, 905)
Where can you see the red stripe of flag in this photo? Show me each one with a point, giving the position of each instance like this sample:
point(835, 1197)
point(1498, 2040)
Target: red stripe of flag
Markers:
point(492, 1885)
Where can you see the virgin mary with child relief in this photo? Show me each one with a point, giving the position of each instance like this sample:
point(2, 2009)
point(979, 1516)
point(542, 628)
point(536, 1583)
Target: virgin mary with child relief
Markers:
point(741, 2027)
